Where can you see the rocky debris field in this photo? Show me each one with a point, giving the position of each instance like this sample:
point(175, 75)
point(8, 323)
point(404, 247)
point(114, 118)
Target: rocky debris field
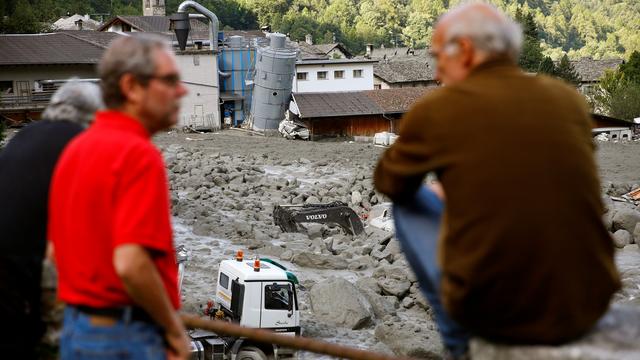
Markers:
point(358, 290)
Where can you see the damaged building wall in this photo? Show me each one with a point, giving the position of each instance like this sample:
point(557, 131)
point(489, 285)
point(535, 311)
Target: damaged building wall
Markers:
point(350, 126)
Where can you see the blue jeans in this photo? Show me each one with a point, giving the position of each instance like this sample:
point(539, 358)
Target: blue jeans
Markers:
point(125, 339)
point(417, 226)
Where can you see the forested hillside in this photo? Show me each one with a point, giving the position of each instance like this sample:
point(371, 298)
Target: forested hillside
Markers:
point(598, 28)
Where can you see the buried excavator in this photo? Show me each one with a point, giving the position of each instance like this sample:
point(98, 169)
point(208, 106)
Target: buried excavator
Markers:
point(290, 217)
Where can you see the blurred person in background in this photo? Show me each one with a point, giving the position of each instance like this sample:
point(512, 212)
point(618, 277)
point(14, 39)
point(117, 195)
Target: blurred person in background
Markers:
point(26, 168)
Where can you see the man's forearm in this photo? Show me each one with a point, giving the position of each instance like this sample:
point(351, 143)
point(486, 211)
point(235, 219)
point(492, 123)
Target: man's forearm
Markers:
point(142, 282)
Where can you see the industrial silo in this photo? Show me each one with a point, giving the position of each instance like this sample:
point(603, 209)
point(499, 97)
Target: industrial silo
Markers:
point(236, 61)
point(274, 71)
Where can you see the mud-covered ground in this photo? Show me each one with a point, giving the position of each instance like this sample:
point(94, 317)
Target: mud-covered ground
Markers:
point(224, 186)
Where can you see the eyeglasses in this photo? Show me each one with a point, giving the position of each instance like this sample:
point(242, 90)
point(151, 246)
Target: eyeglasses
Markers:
point(169, 79)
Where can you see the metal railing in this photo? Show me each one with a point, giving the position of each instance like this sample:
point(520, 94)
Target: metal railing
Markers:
point(33, 100)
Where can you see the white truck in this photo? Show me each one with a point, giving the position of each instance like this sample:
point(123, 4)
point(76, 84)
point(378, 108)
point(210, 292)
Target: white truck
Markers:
point(257, 293)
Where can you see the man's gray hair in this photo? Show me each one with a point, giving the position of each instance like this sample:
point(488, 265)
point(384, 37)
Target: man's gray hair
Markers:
point(489, 29)
point(128, 55)
point(75, 101)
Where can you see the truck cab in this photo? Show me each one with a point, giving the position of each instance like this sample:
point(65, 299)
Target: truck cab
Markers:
point(258, 293)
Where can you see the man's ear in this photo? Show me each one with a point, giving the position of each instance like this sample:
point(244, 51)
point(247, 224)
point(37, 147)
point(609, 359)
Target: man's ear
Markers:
point(130, 87)
point(467, 51)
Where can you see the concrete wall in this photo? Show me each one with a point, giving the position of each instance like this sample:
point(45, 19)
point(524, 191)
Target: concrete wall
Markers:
point(348, 83)
point(200, 107)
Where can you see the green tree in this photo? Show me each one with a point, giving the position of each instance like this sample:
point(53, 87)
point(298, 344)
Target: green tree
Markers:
point(618, 96)
point(566, 71)
point(22, 21)
point(269, 12)
point(233, 14)
point(342, 13)
point(547, 67)
point(421, 20)
point(381, 21)
point(531, 55)
point(631, 69)
point(624, 103)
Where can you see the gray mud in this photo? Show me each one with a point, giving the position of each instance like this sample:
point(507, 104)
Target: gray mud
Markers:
point(224, 186)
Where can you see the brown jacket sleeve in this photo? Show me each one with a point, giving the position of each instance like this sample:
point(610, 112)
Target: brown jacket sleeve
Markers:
point(403, 166)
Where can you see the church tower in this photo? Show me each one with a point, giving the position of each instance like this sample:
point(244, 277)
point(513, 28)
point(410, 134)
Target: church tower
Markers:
point(153, 8)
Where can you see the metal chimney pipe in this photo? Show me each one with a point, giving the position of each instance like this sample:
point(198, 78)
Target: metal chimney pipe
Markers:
point(180, 25)
point(213, 26)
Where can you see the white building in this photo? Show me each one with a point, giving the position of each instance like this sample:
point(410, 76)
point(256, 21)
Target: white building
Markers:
point(331, 75)
point(200, 108)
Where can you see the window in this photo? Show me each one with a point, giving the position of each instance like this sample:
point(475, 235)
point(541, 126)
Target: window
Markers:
point(6, 87)
point(338, 74)
point(322, 75)
point(278, 297)
point(357, 73)
point(377, 86)
point(224, 280)
point(301, 76)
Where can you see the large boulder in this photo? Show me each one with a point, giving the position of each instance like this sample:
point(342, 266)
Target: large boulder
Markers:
point(339, 302)
point(614, 338)
point(382, 306)
point(319, 261)
point(410, 339)
point(394, 287)
point(622, 238)
point(626, 219)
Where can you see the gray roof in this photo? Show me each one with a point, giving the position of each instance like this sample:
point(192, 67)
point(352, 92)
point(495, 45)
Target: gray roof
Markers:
point(591, 70)
point(158, 24)
point(397, 53)
point(69, 23)
point(313, 105)
point(356, 103)
point(68, 47)
point(334, 61)
point(397, 100)
point(319, 51)
point(99, 38)
point(404, 70)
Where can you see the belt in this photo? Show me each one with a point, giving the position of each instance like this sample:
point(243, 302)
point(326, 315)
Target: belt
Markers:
point(134, 313)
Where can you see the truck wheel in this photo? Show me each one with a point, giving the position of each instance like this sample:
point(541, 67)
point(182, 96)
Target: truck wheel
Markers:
point(251, 353)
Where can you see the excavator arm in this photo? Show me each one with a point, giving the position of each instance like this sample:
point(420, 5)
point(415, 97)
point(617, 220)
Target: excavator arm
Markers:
point(288, 217)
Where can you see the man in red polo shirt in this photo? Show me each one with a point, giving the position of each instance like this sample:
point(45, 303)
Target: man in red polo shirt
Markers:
point(109, 215)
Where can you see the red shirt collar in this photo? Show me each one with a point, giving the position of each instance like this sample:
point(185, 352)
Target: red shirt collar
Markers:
point(113, 119)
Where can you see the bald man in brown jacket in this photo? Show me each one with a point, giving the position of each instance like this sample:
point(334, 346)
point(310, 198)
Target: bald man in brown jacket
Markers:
point(523, 255)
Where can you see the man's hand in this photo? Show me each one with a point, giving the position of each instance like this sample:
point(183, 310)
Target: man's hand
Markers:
point(178, 343)
point(437, 188)
point(142, 282)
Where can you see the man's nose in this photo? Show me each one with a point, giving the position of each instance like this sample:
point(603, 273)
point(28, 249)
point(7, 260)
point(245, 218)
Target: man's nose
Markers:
point(181, 90)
